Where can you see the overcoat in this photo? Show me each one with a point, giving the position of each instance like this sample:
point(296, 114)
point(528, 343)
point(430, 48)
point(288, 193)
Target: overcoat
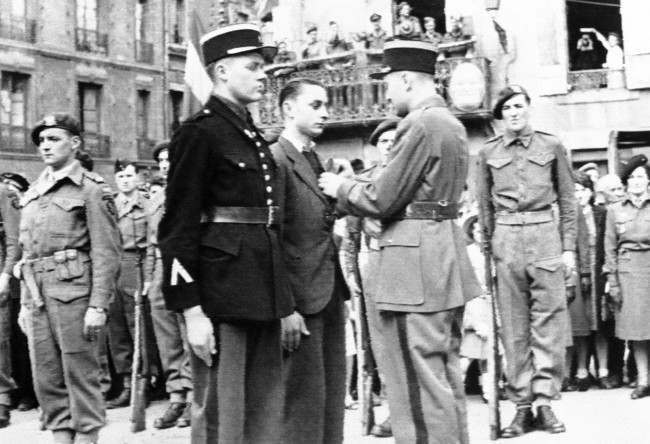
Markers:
point(424, 265)
point(234, 271)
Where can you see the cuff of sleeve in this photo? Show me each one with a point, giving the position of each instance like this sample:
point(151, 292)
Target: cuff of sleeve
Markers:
point(181, 297)
point(342, 196)
point(99, 299)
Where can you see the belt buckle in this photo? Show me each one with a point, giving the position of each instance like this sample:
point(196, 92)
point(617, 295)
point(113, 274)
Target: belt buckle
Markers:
point(270, 216)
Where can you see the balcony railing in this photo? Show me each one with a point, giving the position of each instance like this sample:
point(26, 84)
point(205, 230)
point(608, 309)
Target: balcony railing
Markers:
point(145, 149)
point(175, 36)
point(89, 40)
point(16, 139)
point(97, 145)
point(143, 51)
point(588, 79)
point(355, 98)
point(18, 28)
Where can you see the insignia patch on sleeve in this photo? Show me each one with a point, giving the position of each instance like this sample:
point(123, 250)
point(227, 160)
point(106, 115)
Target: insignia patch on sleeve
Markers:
point(110, 204)
point(179, 271)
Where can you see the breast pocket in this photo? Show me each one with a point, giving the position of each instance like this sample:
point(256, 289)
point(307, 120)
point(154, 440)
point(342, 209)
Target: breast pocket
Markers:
point(66, 216)
point(501, 175)
point(539, 166)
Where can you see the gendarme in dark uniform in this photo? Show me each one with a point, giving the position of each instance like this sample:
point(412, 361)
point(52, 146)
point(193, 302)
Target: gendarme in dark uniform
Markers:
point(220, 249)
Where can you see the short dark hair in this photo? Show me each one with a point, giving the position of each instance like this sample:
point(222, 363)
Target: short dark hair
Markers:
point(84, 159)
point(294, 87)
point(357, 165)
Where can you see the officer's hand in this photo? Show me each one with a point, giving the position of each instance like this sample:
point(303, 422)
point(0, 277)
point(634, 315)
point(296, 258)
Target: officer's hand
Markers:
point(330, 183)
point(145, 288)
point(569, 260)
point(293, 327)
point(200, 334)
point(5, 289)
point(94, 321)
point(372, 227)
point(23, 319)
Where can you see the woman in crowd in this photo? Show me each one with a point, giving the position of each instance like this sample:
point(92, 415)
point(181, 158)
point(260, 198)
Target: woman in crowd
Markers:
point(627, 262)
point(581, 306)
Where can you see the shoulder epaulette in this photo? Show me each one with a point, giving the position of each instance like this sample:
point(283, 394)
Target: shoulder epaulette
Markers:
point(495, 138)
point(545, 133)
point(94, 177)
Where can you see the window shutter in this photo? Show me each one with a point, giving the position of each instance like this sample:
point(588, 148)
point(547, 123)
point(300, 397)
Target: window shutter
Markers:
point(636, 42)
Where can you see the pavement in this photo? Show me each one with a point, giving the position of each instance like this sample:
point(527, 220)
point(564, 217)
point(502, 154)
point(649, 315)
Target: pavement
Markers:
point(592, 417)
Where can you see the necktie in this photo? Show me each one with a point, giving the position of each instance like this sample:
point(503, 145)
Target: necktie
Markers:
point(315, 164)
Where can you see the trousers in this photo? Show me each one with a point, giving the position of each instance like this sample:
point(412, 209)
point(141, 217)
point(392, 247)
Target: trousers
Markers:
point(236, 399)
point(531, 297)
point(424, 383)
point(171, 336)
point(314, 380)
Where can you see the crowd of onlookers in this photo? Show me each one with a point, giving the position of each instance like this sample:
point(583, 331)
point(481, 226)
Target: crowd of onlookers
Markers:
point(334, 45)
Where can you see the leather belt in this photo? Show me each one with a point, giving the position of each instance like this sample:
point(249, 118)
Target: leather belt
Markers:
point(524, 217)
point(438, 211)
point(241, 215)
point(48, 263)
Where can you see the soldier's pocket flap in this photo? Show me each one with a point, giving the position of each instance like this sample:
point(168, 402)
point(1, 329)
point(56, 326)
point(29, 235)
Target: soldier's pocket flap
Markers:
point(541, 159)
point(400, 238)
point(230, 244)
point(499, 162)
point(68, 203)
point(549, 264)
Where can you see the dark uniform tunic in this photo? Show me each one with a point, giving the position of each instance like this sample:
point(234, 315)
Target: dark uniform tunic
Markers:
point(627, 264)
point(519, 180)
point(424, 274)
point(9, 255)
point(234, 271)
point(71, 244)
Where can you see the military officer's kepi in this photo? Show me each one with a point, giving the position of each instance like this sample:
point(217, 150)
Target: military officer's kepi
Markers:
point(506, 94)
point(56, 120)
point(408, 55)
point(234, 40)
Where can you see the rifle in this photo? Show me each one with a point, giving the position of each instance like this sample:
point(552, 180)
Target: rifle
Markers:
point(140, 366)
point(365, 363)
point(493, 358)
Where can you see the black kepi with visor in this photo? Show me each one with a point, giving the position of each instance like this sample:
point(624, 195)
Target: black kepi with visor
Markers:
point(408, 55)
point(232, 40)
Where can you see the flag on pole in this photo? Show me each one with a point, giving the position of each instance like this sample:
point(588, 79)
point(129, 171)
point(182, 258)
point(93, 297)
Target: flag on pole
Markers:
point(196, 78)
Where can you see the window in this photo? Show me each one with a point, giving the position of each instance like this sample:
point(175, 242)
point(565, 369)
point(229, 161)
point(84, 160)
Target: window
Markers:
point(87, 14)
point(13, 111)
point(140, 20)
point(426, 8)
point(89, 107)
point(178, 21)
point(142, 114)
point(14, 23)
point(176, 107)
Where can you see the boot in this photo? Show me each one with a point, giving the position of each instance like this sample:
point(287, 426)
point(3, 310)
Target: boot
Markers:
point(170, 416)
point(382, 430)
point(64, 436)
point(547, 421)
point(186, 419)
point(87, 437)
point(124, 398)
point(523, 422)
point(4, 416)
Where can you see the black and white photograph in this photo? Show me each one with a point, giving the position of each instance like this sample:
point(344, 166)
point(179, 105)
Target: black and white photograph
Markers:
point(324, 221)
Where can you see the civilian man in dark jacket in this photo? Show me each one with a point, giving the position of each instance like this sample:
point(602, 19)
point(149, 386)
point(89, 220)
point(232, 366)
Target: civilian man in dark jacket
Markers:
point(222, 263)
point(314, 335)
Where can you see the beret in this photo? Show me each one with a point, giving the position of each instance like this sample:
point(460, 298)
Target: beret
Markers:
point(17, 179)
point(164, 145)
point(386, 125)
point(506, 94)
point(375, 17)
point(631, 165)
point(56, 120)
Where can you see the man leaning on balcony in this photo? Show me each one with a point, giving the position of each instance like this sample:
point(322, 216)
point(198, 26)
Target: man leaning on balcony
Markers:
point(424, 276)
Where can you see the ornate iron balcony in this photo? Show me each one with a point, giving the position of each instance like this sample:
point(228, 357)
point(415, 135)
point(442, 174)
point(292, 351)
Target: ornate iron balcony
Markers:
point(97, 145)
point(16, 139)
point(145, 148)
point(18, 28)
point(143, 51)
point(89, 40)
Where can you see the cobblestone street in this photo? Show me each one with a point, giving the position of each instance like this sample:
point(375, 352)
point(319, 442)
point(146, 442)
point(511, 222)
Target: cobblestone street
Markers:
point(593, 417)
